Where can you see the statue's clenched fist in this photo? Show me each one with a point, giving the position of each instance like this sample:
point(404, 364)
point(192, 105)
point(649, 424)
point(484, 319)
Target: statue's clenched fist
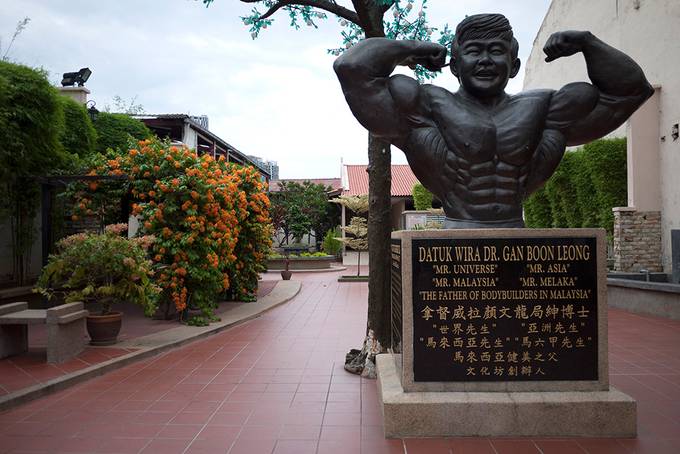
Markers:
point(564, 44)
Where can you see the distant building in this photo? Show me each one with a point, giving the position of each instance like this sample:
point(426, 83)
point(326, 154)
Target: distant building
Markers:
point(648, 32)
point(355, 182)
point(334, 183)
point(193, 132)
point(271, 166)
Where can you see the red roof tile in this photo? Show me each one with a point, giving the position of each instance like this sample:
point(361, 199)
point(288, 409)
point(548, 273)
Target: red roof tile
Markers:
point(403, 180)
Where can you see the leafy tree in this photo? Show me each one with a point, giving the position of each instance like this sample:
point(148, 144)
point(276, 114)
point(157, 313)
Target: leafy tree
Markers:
point(422, 198)
point(78, 135)
point(30, 123)
point(299, 208)
point(331, 244)
point(114, 130)
point(395, 19)
point(357, 228)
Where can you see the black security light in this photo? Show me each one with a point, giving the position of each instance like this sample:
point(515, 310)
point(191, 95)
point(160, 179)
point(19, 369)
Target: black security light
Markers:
point(76, 78)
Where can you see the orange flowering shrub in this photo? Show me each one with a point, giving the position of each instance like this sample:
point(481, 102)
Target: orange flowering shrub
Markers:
point(210, 219)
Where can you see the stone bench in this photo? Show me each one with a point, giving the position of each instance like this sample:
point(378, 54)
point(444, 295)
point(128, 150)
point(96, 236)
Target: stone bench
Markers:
point(65, 329)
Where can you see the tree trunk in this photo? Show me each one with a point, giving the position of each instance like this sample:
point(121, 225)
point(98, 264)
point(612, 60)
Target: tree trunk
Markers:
point(379, 230)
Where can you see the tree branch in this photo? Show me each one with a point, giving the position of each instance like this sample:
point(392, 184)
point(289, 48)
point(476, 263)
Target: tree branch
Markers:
point(371, 16)
point(326, 5)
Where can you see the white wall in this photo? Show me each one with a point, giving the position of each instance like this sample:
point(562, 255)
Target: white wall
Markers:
point(648, 31)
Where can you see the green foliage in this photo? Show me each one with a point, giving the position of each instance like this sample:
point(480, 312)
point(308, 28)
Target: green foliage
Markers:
point(606, 160)
point(422, 198)
point(117, 130)
point(585, 187)
point(537, 211)
point(400, 20)
point(355, 203)
point(299, 208)
point(30, 122)
point(331, 244)
point(78, 135)
point(103, 268)
point(583, 184)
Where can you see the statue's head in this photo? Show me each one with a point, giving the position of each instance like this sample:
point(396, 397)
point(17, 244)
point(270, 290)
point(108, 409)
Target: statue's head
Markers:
point(484, 54)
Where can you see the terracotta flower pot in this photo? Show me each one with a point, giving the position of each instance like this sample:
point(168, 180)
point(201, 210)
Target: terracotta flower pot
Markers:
point(104, 329)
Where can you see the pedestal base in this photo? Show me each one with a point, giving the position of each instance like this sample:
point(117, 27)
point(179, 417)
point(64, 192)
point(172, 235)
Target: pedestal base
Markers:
point(535, 414)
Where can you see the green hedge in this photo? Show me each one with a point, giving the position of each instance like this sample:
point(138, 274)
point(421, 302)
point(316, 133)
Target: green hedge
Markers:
point(587, 184)
point(30, 123)
point(422, 198)
point(115, 129)
point(78, 136)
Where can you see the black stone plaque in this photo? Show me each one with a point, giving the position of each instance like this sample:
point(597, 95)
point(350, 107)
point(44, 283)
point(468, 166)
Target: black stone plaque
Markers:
point(505, 309)
point(396, 318)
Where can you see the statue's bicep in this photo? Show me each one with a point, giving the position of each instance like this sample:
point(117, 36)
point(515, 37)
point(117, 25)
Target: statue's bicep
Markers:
point(405, 92)
point(571, 103)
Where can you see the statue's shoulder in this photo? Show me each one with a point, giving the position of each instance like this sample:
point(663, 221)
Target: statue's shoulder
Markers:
point(542, 94)
point(433, 95)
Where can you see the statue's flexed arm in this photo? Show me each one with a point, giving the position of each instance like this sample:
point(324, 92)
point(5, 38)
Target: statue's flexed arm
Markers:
point(378, 101)
point(618, 84)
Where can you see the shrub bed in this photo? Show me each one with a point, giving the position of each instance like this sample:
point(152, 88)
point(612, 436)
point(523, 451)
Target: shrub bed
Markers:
point(210, 219)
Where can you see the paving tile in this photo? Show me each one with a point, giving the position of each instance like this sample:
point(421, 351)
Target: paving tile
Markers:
point(514, 446)
point(342, 419)
point(277, 384)
point(471, 446)
point(385, 447)
point(165, 446)
point(601, 446)
point(122, 445)
point(559, 447)
point(427, 446)
point(295, 447)
point(651, 446)
point(299, 432)
point(338, 447)
point(248, 446)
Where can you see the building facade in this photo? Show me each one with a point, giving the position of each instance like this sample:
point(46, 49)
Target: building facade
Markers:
point(648, 31)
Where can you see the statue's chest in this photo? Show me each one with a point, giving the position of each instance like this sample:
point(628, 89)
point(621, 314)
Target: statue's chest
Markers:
point(508, 134)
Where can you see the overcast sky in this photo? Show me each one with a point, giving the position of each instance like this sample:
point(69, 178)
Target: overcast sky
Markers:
point(276, 97)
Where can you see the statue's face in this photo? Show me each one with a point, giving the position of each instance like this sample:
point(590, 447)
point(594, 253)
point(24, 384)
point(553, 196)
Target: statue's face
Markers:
point(483, 66)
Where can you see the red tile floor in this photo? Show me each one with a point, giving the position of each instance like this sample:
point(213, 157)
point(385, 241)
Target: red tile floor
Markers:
point(276, 385)
point(24, 371)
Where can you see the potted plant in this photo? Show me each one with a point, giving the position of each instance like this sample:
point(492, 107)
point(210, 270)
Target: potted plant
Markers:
point(102, 269)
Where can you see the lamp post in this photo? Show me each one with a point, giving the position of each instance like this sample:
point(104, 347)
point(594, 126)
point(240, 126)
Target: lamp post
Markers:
point(92, 110)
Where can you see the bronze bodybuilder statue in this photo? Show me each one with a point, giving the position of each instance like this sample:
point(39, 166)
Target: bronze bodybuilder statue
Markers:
point(479, 150)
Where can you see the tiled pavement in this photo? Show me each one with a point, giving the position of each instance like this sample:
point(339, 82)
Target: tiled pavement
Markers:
point(23, 371)
point(276, 385)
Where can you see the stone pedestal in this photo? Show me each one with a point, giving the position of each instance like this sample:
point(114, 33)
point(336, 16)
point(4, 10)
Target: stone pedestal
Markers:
point(500, 332)
point(501, 414)
point(78, 94)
